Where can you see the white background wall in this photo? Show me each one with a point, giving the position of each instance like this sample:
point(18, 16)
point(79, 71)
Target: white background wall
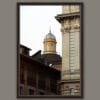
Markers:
point(8, 49)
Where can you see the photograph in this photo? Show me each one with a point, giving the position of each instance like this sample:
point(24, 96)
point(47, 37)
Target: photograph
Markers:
point(50, 50)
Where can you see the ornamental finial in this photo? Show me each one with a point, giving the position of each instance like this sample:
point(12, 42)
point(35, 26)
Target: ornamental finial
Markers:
point(50, 30)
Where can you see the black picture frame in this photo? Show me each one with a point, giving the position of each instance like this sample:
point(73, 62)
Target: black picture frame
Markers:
point(81, 47)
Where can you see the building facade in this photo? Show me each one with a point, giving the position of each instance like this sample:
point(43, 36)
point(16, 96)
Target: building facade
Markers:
point(70, 28)
point(36, 78)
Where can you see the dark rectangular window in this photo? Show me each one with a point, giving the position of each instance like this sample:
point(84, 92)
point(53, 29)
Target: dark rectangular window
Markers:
point(41, 93)
point(20, 90)
point(31, 92)
point(22, 75)
point(41, 82)
point(31, 78)
point(53, 86)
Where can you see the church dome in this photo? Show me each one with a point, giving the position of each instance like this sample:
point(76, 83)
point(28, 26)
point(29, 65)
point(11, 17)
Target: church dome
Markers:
point(50, 36)
point(49, 44)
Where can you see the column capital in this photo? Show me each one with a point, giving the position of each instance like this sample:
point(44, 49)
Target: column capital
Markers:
point(65, 29)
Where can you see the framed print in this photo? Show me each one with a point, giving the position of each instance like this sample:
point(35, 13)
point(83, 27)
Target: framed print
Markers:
point(50, 50)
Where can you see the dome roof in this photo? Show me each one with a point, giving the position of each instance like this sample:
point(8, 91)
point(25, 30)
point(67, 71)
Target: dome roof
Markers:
point(50, 36)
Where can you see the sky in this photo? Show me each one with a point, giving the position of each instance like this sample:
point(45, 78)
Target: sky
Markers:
point(35, 23)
